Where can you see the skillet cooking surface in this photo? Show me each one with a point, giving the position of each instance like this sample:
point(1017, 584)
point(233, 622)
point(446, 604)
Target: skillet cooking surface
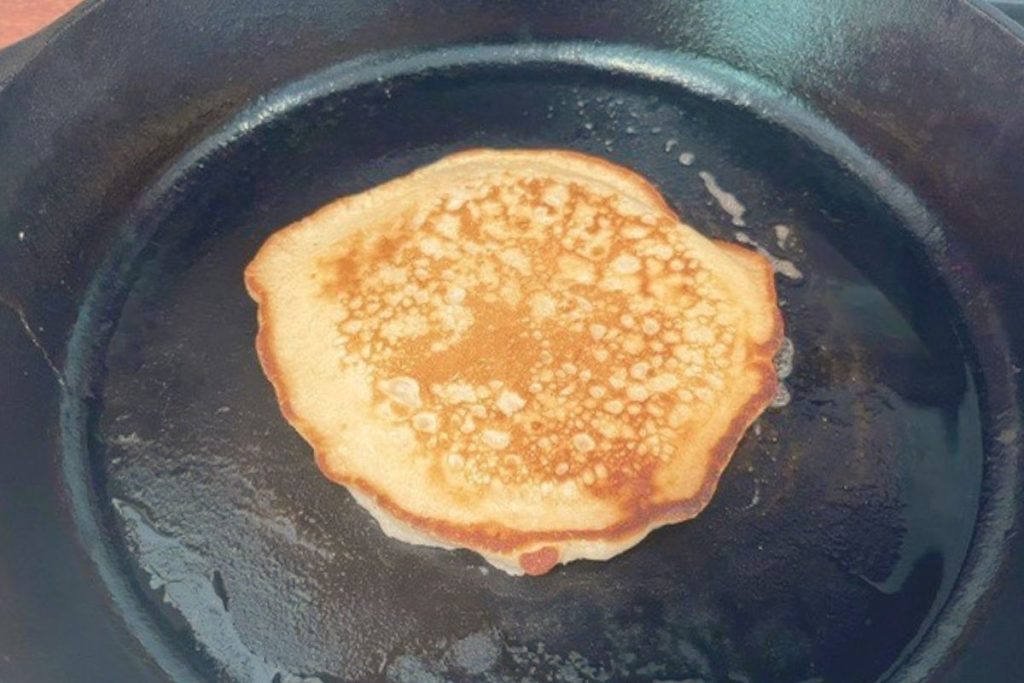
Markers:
point(836, 534)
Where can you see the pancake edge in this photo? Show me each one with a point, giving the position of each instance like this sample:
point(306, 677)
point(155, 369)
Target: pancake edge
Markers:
point(512, 550)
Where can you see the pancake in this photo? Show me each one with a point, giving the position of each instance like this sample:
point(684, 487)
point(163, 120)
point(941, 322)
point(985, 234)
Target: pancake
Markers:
point(523, 353)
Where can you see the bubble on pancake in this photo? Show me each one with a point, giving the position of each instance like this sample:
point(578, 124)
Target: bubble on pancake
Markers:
point(402, 390)
point(536, 333)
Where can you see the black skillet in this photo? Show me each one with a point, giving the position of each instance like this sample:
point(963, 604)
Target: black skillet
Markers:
point(159, 520)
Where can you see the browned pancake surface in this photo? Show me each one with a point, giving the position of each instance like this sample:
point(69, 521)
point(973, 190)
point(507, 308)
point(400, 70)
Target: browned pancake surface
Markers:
point(524, 353)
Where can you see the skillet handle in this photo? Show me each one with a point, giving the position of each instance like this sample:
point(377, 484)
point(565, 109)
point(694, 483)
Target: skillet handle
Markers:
point(15, 56)
point(16, 294)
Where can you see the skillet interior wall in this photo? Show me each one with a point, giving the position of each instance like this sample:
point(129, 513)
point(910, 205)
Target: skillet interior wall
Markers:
point(187, 458)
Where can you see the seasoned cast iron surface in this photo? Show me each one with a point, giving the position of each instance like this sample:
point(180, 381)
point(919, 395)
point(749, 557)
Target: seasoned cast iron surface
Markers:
point(837, 530)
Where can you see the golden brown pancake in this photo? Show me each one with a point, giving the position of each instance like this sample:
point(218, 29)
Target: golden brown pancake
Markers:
point(524, 353)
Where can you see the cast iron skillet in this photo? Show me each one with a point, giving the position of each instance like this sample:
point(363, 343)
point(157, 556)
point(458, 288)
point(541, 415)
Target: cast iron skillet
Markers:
point(158, 519)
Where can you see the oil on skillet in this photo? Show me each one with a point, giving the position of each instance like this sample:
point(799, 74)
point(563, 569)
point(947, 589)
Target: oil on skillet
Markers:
point(834, 537)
